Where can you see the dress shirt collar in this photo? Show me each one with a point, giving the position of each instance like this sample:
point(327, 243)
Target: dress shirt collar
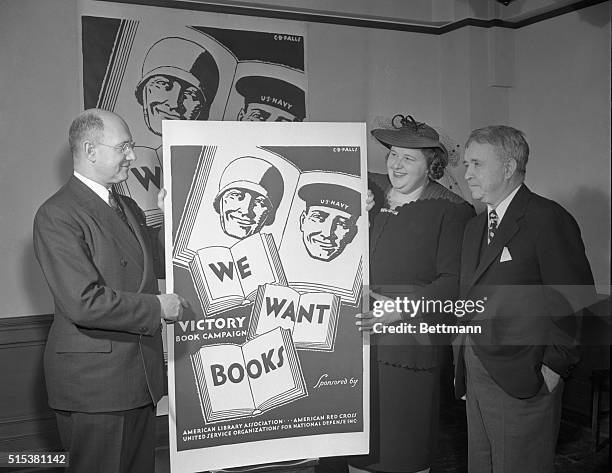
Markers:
point(99, 189)
point(503, 205)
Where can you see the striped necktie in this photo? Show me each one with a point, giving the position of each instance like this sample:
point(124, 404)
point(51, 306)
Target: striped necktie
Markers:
point(492, 225)
point(114, 203)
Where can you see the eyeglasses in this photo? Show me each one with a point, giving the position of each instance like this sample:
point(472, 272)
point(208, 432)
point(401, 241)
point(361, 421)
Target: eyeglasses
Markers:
point(123, 148)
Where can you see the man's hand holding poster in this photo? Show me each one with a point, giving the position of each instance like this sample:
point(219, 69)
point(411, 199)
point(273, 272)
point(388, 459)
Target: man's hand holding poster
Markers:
point(268, 236)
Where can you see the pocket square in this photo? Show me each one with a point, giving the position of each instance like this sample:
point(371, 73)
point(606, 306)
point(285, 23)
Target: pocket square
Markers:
point(505, 256)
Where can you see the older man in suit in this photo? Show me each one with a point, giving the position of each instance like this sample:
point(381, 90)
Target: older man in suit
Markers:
point(103, 359)
point(524, 257)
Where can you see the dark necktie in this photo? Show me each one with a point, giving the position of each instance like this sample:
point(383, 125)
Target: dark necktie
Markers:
point(492, 225)
point(114, 203)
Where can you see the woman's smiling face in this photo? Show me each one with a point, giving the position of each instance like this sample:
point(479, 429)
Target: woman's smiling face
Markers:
point(407, 168)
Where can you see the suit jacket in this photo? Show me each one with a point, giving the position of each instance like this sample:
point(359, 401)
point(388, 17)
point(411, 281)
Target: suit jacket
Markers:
point(533, 294)
point(415, 253)
point(104, 348)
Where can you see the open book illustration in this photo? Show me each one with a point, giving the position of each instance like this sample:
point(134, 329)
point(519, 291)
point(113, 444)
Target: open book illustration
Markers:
point(312, 317)
point(229, 277)
point(246, 380)
point(239, 192)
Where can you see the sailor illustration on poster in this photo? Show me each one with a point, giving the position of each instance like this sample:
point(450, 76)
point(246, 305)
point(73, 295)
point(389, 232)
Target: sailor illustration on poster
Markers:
point(317, 249)
point(267, 93)
point(329, 221)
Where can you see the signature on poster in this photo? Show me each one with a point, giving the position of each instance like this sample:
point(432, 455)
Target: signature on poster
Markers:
point(235, 381)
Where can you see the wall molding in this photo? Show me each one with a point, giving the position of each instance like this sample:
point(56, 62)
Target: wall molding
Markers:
point(29, 433)
point(361, 22)
point(27, 330)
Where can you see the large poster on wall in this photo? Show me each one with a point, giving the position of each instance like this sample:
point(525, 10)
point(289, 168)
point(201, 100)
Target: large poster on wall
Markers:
point(150, 64)
point(267, 234)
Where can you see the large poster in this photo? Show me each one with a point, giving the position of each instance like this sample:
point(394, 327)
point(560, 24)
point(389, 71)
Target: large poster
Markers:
point(150, 64)
point(267, 234)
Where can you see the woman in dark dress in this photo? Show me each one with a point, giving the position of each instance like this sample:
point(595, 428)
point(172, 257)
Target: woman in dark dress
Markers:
point(416, 230)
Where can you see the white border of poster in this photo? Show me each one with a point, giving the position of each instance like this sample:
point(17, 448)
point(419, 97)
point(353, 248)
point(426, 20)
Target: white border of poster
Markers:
point(223, 136)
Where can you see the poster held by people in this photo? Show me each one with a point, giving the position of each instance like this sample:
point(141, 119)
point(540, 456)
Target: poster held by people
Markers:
point(268, 233)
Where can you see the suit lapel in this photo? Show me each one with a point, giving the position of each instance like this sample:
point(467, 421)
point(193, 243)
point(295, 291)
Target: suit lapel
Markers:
point(504, 233)
point(140, 236)
point(120, 232)
point(507, 229)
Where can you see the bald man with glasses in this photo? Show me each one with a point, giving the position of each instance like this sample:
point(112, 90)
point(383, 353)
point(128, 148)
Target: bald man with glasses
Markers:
point(103, 360)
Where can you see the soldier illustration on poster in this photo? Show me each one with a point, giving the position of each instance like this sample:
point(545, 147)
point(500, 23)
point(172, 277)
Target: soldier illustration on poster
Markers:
point(250, 190)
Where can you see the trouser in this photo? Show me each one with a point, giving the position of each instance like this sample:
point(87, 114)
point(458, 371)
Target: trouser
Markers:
point(109, 442)
point(506, 434)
